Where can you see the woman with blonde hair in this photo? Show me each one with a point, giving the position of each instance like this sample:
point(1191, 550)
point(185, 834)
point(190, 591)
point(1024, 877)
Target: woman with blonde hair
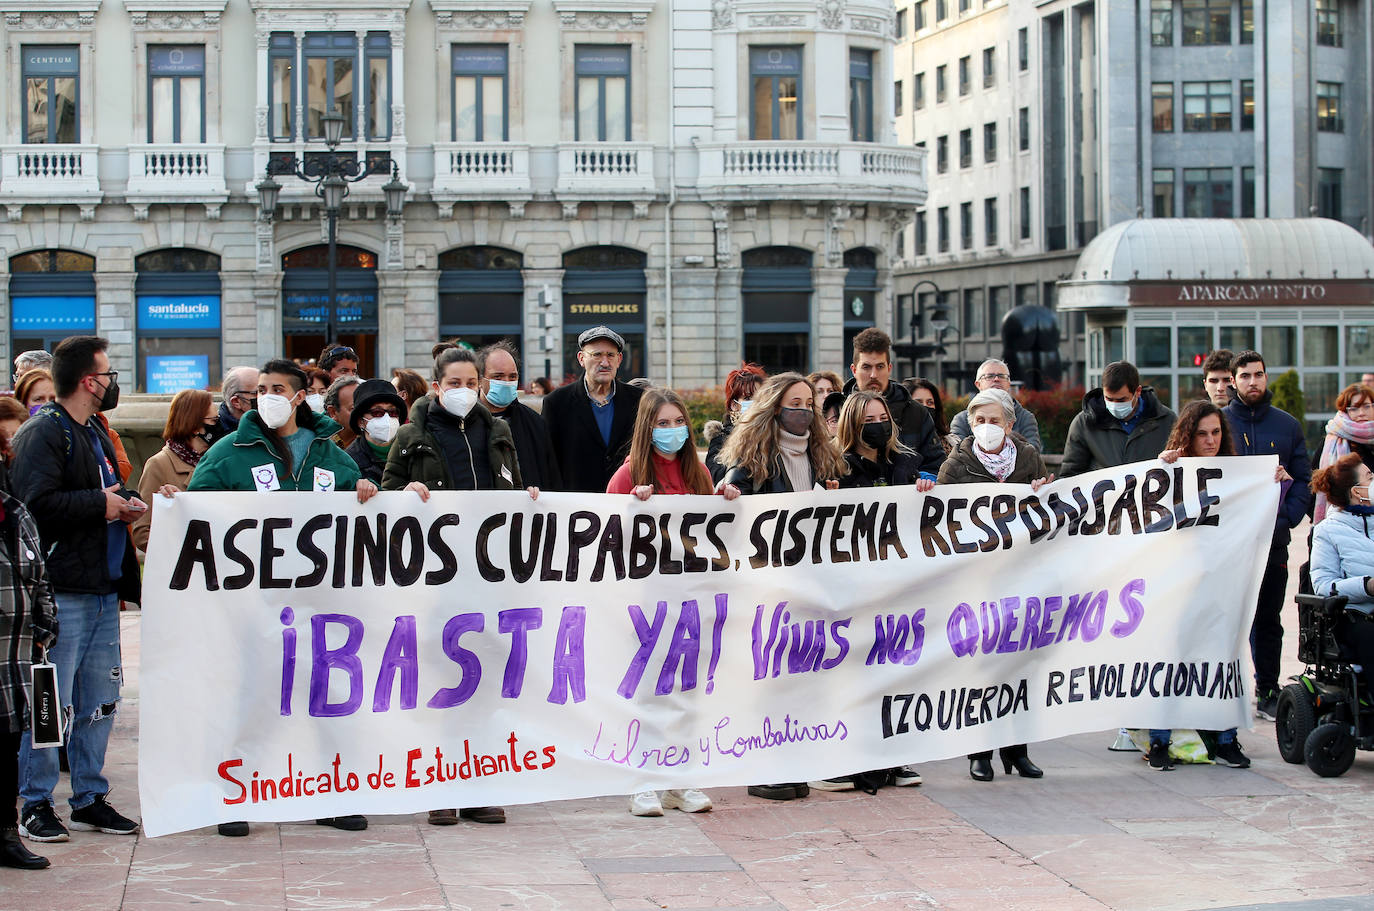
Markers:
point(875, 455)
point(781, 445)
point(663, 460)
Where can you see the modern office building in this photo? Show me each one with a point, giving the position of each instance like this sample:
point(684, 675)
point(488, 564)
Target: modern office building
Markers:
point(1048, 122)
point(717, 179)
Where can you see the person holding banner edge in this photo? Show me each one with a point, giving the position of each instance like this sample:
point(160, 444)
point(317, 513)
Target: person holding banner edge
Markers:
point(299, 455)
point(663, 459)
point(992, 454)
point(781, 445)
point(1201, 432)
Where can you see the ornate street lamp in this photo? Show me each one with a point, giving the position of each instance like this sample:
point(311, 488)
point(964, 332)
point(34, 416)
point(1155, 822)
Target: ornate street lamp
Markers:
point(331, 173)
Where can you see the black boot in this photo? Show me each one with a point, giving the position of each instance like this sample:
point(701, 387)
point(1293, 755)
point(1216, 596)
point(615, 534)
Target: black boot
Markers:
point(13, 853)
point(1017, 758)
point(980, 767)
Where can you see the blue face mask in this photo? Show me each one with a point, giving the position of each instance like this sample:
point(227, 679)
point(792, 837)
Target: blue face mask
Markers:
point(500, 392)
point(669, 440)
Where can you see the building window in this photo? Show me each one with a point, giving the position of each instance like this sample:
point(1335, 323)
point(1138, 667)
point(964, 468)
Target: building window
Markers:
point(178, 320)
point(966, 148)
point(1329, 192)
point(1207, 21)
point(1329, 23)
point(1247, 104)
point(605, 285)
point(989, 67)
point(860, 95)
point(941, 154)
point(1247, 21)
point(1247, 192)
point(965, 5)
point(1329, 118)
point(941, 10)
point(918, 15)
point(941, 82)
point(918, 91)
point(1025, 213)
point(1023, 129)
point(921, 238)
point(990, 141)
point(1206, 107)
point(481, 294)
point(281, 86)
point(50, 94)
point(966, 225)
point(1161, 23)
point(1163, 194)
point(1162, 106)
point(377, 64)
point(480, 103)
point(1207, 193)
point(901, 24)
point(897, 98)
point(965, 77)
point(176, 93)
point(51, 297)
point(942, 229)
point(975, 314)
point(330, 58)
point(603, 92)
point(1023, 49)
point(776, 85)
point(990, 221)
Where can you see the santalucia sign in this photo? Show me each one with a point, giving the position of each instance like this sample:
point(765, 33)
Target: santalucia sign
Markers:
point(485, 649)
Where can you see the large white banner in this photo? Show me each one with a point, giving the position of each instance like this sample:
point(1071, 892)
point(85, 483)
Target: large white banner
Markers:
point(305, 656)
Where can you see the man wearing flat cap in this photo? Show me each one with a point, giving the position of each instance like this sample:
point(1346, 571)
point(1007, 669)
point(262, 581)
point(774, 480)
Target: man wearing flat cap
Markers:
point(590, 421)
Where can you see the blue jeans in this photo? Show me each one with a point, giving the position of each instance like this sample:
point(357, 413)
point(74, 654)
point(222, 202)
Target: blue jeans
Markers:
point(89, 675)
point(1162, 736)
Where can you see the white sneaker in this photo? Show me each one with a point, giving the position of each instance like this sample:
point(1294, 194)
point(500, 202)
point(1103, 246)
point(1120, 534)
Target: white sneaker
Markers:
point(645, 803)
point(1124, 743)
point(906, 777)
point(688, 801)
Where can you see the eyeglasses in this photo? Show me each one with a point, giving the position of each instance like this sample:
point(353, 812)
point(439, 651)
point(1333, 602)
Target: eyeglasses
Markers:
point(995, 376)
point(112, 374)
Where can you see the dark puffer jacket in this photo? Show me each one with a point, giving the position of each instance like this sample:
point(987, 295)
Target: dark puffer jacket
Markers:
point(1096, 439)
point(915, 426)
point(903, 468)
point(417, 456)
point(1262, 429)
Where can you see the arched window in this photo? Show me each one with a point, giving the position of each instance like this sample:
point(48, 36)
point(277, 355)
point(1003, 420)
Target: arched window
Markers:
point(605, 286)
point(52, 296)
point(178, 328)
point(481, 294)
point(777, 308)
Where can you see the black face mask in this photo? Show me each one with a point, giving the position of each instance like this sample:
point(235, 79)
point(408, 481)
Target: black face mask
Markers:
point(110, 400)
point(877, 434)
point(796, 421)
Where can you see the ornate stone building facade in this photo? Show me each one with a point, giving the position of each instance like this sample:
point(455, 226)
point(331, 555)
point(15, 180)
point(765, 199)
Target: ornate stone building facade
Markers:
point(718, 179)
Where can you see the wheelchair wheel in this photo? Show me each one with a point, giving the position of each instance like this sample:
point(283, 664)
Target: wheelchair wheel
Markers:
point(1295, 719)
point(1330, 750)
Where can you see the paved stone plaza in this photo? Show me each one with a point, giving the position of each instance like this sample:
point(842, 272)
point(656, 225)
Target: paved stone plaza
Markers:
point(1100, 831)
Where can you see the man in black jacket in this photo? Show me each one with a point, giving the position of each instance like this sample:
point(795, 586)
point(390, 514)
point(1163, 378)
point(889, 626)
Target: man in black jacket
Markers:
point(1258, 428)
point(872, 369)
point(498, 367)
point(590, 420)
point(64, 471)
point(239, 388)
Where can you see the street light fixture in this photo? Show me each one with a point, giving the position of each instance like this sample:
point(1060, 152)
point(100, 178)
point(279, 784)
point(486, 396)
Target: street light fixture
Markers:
point(332, 174)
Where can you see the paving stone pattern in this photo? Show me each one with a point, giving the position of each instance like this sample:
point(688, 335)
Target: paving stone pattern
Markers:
point(1100, 831)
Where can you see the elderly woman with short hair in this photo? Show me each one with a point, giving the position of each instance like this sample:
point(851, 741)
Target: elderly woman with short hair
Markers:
point(994, 455)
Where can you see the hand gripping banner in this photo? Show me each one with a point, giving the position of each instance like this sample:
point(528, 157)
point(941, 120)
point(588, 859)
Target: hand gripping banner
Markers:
point(307, 656)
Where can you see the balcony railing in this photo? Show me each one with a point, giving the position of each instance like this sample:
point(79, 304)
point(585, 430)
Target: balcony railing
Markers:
point(174, 171)
point(481, 169)
point(610, 169)
point(55, 173)
point(857, 171)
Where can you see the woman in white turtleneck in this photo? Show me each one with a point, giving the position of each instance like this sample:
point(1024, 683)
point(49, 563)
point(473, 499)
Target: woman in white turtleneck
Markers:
point(781, 445)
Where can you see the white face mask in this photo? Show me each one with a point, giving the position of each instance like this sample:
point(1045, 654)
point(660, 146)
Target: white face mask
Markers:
point(989, 437)
point(275, 410)
point(316, 402)
point(382, 430)
point(459, 402)
point(1121, 410)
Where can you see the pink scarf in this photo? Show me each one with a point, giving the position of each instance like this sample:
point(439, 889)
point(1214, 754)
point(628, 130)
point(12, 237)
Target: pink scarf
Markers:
point(1341, 431)
point(999, 464)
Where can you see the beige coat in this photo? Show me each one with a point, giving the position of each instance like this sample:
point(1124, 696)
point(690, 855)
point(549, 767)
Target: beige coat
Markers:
point(164, 467)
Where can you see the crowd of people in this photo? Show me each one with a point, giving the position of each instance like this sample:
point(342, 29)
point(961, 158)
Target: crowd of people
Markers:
point(73, 532)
